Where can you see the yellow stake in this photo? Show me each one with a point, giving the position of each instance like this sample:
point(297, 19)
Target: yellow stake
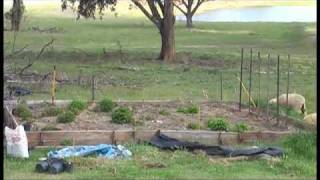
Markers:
point(247, 93)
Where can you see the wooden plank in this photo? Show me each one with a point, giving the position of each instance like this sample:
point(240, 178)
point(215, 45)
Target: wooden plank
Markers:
point(33, 139)
point(270, 136)
point(124, 136)
point(78, 137)
point(228, 138)
point(54, 138)
point(144, 135)
point(204, 137)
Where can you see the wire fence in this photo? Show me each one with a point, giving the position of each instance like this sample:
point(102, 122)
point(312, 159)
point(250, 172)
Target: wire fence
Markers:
point(259, 78)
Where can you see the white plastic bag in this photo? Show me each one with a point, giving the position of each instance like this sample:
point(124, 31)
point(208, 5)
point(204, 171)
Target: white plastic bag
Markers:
point(17, 142)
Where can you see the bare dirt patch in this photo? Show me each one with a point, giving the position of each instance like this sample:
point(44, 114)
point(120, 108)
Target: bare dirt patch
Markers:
point(164, 115)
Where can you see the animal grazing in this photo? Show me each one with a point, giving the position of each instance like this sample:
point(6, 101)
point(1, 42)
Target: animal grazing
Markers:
point(295, 101)
point(311, 119)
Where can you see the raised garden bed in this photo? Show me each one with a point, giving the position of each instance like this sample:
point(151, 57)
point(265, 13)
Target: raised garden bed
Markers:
point(162, 115)
point(91, 126)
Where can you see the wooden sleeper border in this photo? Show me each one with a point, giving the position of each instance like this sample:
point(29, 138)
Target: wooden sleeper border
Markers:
point(92, 137)
point(54, 138)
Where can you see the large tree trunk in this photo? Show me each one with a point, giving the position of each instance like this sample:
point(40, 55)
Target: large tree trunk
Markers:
point(167, 53)
point(189, 20)
point(16, 15)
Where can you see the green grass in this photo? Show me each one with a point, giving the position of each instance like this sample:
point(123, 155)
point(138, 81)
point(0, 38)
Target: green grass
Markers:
point(298, 163)
point(80, 46)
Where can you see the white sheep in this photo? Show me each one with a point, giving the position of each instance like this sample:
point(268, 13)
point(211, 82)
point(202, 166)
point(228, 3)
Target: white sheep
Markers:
point(295, 101)
point(311, 119)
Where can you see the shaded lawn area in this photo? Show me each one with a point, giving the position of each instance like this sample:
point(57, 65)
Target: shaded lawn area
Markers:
point(298, 163)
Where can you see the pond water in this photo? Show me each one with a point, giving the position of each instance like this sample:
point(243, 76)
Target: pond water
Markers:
point(259, 14)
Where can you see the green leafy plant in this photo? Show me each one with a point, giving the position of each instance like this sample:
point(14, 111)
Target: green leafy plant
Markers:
point(52, 111)
point(241, 127)
point(192, 109)
point(66, 142)
point(23, 111)
point(193, 126)
point(77, 106)
point(122, 115)
point(106, 105)
point(66, 117)
point(218, 124)
point(50, 128)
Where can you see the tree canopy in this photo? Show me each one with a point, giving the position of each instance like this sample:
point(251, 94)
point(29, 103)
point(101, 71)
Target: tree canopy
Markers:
point(159, 12)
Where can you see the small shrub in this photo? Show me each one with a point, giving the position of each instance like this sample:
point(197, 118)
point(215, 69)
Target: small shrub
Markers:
point(164, 112)
point(218, 124)
point(66, 142)
point(66, 117)
point(50, 128)
point(77, 106)
point(23, 111)
point(52, 111)
point(192, 109)
point(122, 115)
point(241, 127)
point(106, 105)
point(193, 126)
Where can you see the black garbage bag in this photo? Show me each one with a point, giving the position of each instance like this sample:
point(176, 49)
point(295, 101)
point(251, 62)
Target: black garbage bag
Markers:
point(164, 142)
point(42, 166)
point(54, 166)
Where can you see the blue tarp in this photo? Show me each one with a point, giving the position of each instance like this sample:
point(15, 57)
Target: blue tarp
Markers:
point(104, 150)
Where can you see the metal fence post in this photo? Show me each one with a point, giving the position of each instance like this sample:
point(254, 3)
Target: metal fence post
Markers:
point(268, 82)
point(288, 84)
point(259, 68)
point(240, 88)
point(250, 78)
point(278, 83)
point(221, 86)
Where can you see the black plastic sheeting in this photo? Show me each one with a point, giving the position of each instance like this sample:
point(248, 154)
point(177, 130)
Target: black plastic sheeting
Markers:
point(164, 142)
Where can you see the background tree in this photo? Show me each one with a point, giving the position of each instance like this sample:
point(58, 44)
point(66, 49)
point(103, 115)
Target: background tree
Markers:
point(15, 14)
point(159, 12)
point(188, 8)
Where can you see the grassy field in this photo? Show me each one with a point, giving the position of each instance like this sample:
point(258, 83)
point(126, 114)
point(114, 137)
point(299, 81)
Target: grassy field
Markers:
point(212, 48)
point(299, 162)
point(79, 45)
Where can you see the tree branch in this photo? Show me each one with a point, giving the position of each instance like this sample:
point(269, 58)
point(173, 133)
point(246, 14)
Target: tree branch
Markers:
point(16, 52)
point(26, 67)
point(44, 47)
point(154, 10)
point(180, 9)
point(38, 56)
point(184, 2)
point(146, 13)
point(197, 6)
point(161, 6)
